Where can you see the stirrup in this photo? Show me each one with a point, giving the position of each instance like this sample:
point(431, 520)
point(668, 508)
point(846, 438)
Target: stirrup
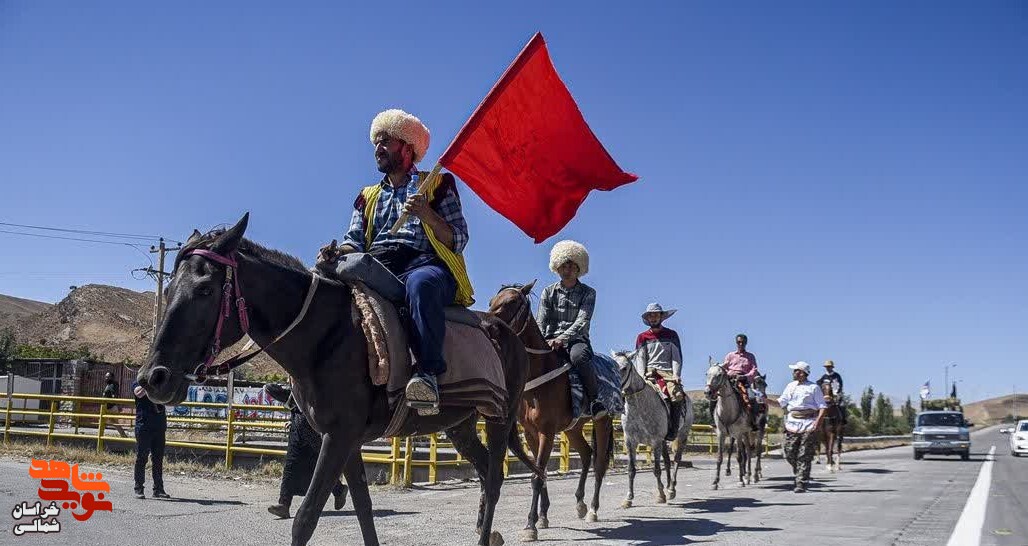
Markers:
point(422, 395)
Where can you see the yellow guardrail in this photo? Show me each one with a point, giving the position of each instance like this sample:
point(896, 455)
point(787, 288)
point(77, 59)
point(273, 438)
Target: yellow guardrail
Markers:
point(400, 456)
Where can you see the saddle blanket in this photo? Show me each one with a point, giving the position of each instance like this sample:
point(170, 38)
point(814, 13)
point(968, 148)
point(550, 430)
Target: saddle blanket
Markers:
point(608, 386)
point(474, 375)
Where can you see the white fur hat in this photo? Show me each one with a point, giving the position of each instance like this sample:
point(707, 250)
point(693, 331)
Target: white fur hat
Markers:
point(399, 124)
point(569, 251)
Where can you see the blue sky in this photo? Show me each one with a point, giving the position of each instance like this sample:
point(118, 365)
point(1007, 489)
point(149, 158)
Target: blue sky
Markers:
point(840, 181)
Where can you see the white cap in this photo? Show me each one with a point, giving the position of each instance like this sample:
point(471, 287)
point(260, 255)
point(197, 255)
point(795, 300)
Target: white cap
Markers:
point(802, 366)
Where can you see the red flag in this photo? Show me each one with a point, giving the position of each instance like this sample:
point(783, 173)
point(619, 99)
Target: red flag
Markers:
point(528, 152)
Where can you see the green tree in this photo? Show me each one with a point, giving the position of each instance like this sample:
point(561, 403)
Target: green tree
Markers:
point(909, 414)
point(882, 415)
point(7, 348)
point(701, 412)
point(856, 425)
point(866, 401)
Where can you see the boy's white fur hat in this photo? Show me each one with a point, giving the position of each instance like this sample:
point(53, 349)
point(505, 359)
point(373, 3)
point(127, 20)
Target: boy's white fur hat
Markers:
point(569, 251)
point(399, 124)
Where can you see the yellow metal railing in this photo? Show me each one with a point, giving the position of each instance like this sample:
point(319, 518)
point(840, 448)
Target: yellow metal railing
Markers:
point(401, 460)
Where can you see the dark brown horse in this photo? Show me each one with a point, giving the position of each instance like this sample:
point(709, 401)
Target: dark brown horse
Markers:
point(546, 410)
point(327, 356)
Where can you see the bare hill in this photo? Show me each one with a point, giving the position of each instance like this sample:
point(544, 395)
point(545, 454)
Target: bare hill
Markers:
point(993, 410)
point(113, 323)
point(13, 309)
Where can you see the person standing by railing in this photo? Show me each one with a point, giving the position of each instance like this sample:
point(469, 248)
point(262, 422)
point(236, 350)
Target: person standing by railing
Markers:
point(151, 429)
point(111, 390)
point(301, 456)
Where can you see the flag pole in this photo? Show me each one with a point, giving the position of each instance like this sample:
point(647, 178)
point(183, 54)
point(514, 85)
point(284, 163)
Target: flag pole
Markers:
point(421, 189)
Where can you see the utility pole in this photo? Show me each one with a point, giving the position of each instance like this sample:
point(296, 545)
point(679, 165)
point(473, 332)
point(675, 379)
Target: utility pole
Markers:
point(158, 309)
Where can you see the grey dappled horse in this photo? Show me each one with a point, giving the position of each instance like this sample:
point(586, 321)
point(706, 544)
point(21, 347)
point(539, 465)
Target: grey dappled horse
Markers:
point(759, 385)
point(729, 418)
point(645, 421)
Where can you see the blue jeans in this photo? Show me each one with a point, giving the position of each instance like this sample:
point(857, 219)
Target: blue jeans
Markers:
point(429, 289)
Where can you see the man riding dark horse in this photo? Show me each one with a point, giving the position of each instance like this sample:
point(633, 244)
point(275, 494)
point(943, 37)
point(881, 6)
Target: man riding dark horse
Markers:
point(660, 359)
point(741, 366)
point(424, 254)
point(833, 378)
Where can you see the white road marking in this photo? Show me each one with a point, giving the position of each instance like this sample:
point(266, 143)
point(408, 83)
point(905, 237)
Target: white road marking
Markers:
point(968, 531)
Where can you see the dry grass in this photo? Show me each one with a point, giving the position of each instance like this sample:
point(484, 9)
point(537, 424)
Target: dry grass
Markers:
point(197, 467)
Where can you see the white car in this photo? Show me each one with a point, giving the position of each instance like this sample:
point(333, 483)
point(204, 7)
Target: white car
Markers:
point(1019, 438)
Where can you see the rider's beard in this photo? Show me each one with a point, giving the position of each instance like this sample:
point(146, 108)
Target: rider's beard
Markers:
point(388, 163)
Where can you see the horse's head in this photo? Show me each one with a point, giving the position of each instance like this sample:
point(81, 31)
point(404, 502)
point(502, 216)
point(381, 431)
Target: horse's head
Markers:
point(512, 306)
point(716, 377)
point(194, 302)
point(760, 383)
point(827, 391)
point(626, 365)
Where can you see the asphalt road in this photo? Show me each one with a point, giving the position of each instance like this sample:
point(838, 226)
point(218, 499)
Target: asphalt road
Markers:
point(1006, 517)
point(879, 497)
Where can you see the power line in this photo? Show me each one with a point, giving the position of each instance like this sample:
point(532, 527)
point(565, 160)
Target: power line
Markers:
point(87, 232)
point(40, 235)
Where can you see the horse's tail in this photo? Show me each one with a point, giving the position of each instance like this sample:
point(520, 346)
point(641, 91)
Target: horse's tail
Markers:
point(518, 449)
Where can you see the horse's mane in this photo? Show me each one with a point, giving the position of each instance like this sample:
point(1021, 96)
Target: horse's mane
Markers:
point(246, 246)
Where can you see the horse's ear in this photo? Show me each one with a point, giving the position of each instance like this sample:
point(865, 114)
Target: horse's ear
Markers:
point(195, 236)
point(527, 289)
point(228, 241)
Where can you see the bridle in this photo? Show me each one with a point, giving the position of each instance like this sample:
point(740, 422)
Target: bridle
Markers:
point(523, 314)
point(628, 379)
point(229, 289)
point(713, 389)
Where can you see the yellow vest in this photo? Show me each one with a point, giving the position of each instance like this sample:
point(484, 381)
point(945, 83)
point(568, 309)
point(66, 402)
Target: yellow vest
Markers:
point(454, 261)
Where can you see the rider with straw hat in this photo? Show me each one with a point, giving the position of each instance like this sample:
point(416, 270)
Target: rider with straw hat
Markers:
point(833, 378)
point(659, 357)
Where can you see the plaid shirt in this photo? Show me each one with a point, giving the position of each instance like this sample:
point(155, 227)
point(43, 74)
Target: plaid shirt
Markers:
point(565, 313)
point(445, 202)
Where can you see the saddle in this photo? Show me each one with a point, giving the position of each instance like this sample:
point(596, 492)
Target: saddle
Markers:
point(666, 384)
point(671, 392)
point(474, 376)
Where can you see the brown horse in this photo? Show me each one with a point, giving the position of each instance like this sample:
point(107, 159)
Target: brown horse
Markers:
point(546, 410)
point(831, 430)
point(325, 351)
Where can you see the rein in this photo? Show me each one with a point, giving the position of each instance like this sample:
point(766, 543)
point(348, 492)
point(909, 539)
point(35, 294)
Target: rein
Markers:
point(524, 310)
point(230, 288)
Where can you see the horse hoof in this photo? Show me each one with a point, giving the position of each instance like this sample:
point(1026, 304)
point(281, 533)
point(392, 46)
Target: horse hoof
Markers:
point(626, 503)
point(592, 518)
point(670, 494)
point(544, 523)
point(714, 487)
point(495, 539)
point(661, 499)
point(528, 535)
point(582, 510)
